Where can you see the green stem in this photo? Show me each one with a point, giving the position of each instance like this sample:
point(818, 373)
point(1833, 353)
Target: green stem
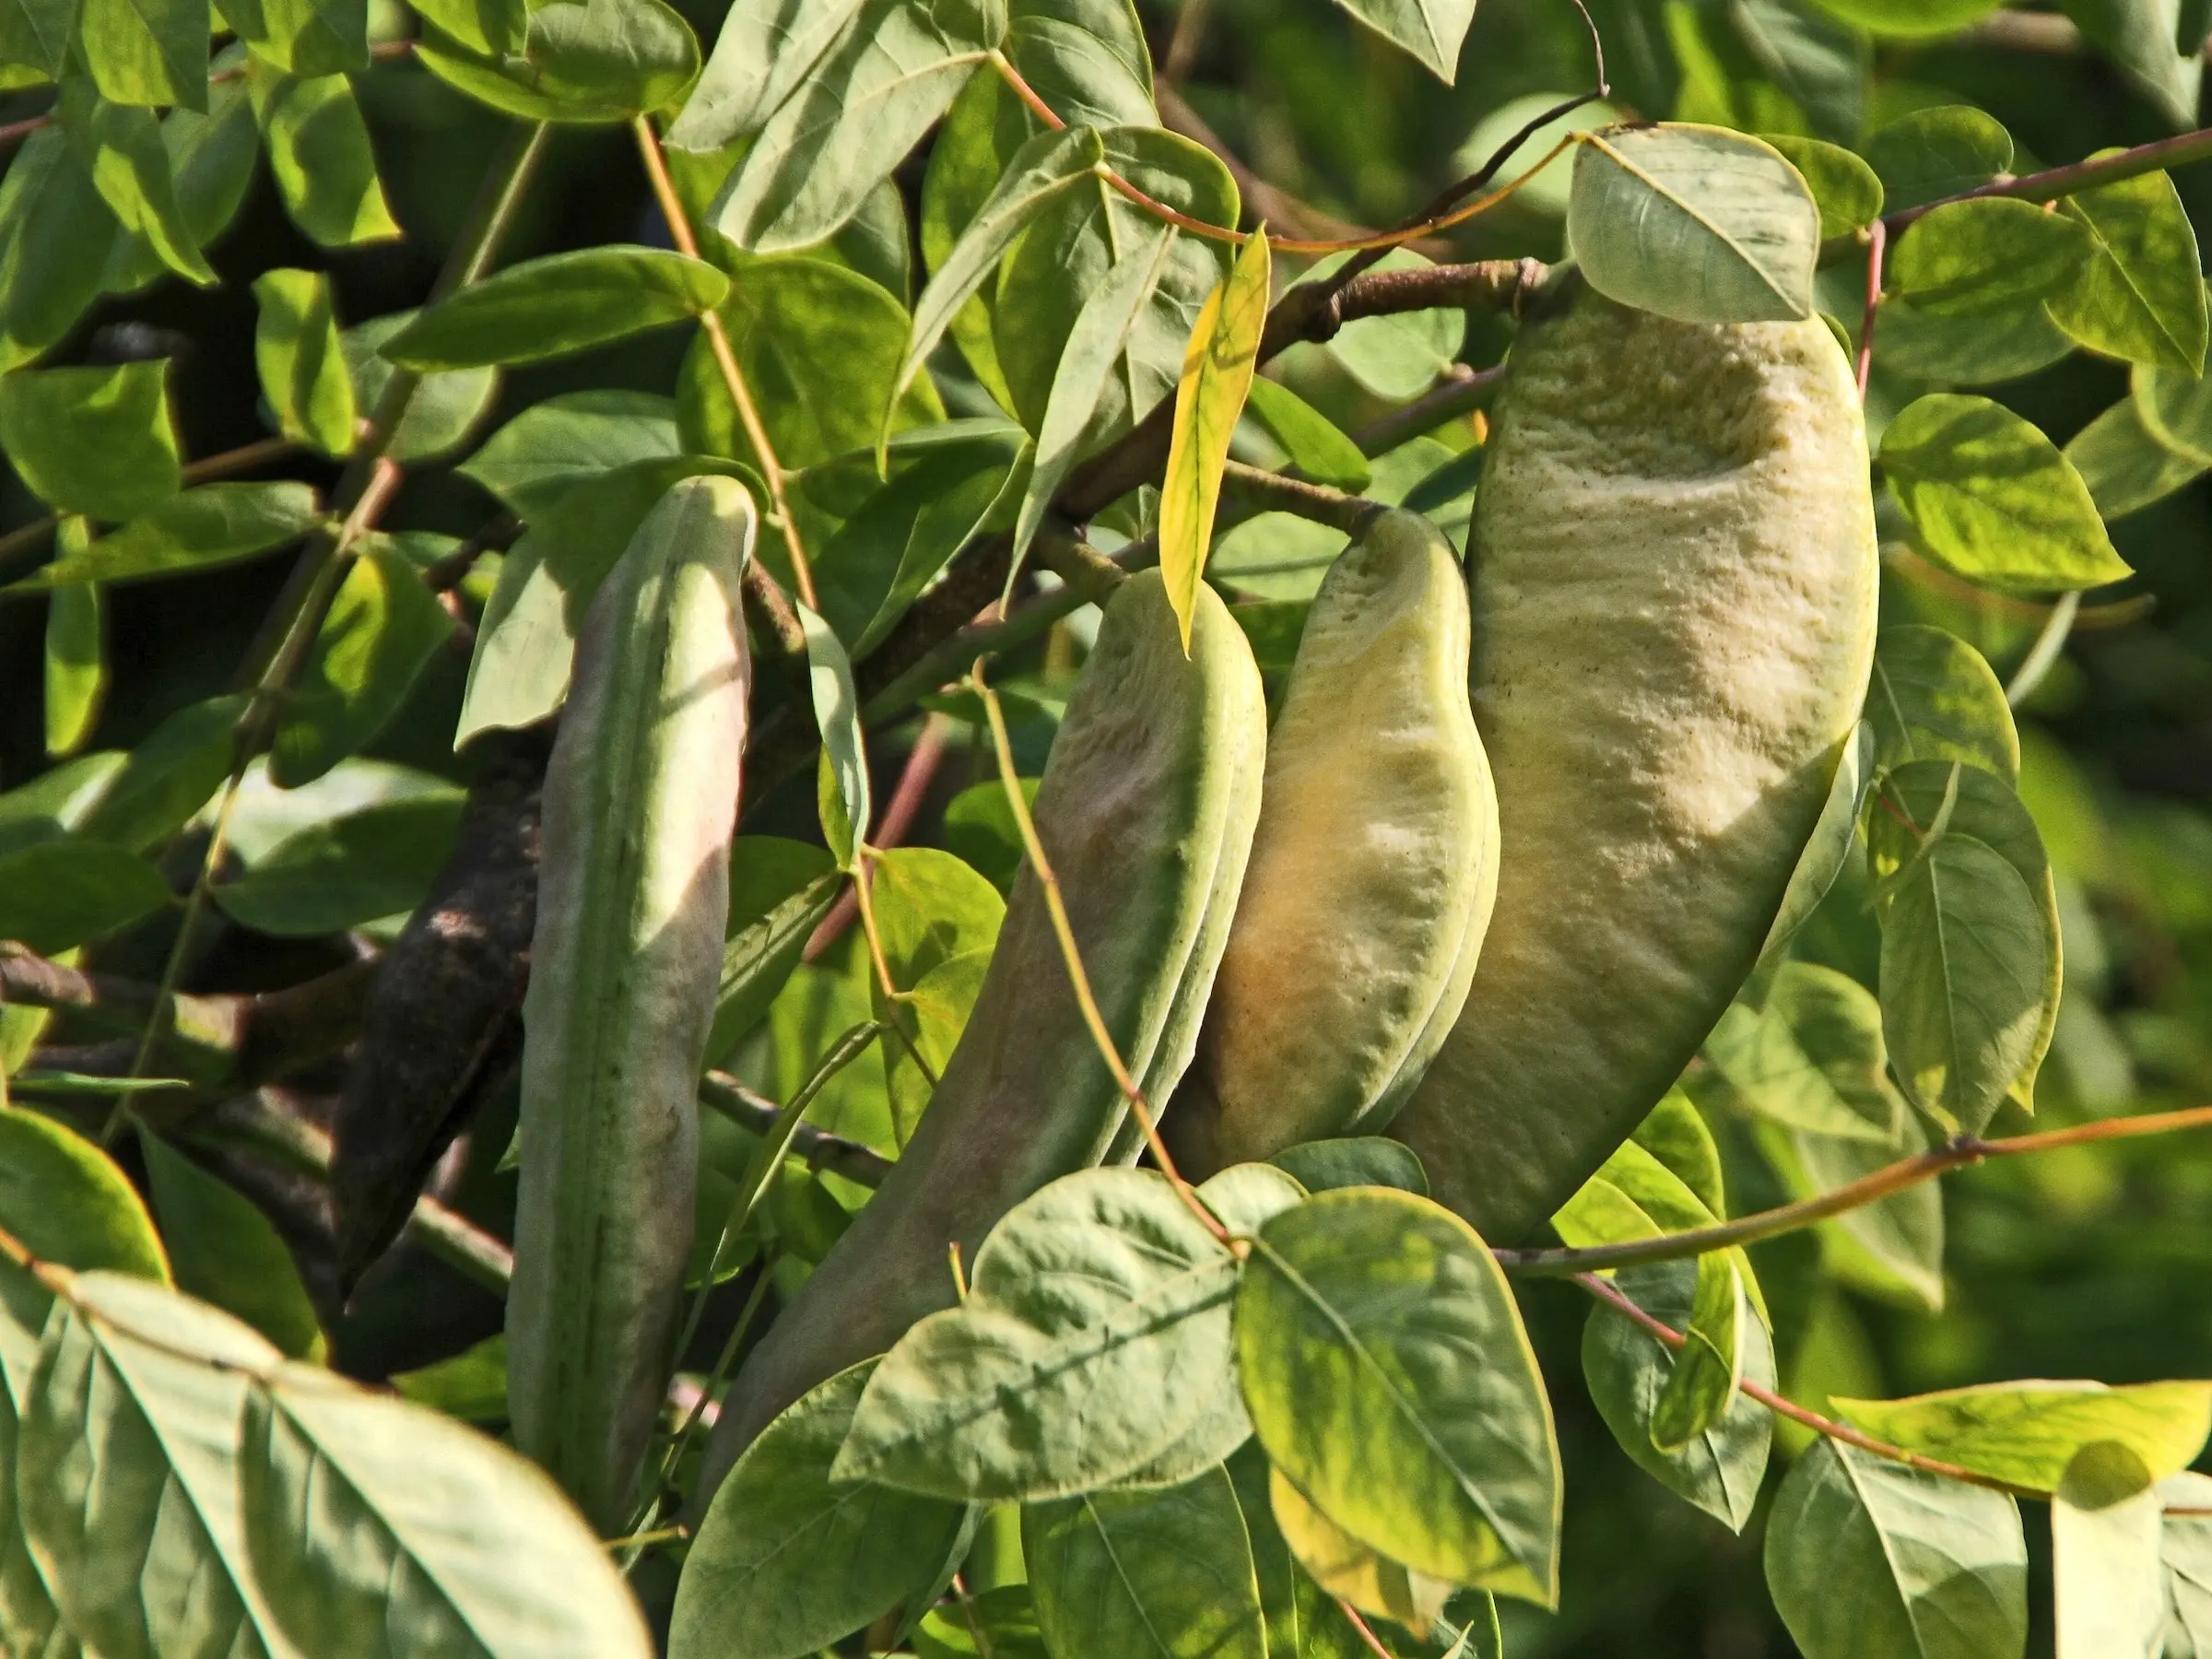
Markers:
point(1868, 1188)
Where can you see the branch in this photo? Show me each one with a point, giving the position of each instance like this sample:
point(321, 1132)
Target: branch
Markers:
point(2055, 181)
point(1281, 493)
point(219, 1043)
point(757, 1115)
point(1894, 1178)
point(1459, 393)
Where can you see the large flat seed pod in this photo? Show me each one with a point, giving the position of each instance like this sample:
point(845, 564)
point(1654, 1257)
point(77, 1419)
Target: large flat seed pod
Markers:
point(1373, 873)
point(639, 799)
point(1674, 581)
point(1146, 810)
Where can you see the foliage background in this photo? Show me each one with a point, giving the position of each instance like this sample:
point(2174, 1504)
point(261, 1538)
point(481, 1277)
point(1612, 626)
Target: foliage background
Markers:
point(2080, 1263)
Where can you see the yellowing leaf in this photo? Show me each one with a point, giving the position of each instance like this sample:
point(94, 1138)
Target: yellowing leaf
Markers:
point(1216, 373)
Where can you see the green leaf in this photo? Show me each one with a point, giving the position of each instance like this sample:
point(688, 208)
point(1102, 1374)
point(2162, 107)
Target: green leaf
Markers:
point(68, 1204)
point(905, 533)
point(212, 525)
point(1217, 372)
point(998, 1624)
point(131, 169)
point(1039, 174)
point(1993, 498)
point(554, 306)
point(1315, 445)
point(1096, 344)
point(370, 864)
point(526, 638)
point(780, 890)
point(1829, 848)
point(445, 408)
point(211, 161)
point(1388, 1377)
point(168, 777)
point(471, 1385)
point(1163, 1572)
point(2141, 297)
point(76, 664)
point(2140, 37)
point(157, 1382)
point(2175, 409)
point(1396, 357)
point(785, 318)
point(1963, 351)
point(1870, 1559)
point(2041, 1435)
point(1695, 223)
point(1972, 258)
point(97, 441)
point(1719, 1468)
point(845, 746)
point(892, 71)
point(146, 51)
point(1096, 1328)
point(2124, 463)
point(1909, 19)
point(1429, 30)
point(225, 1251)
point(56, 236)
point(2108, 1585)
point(1343, 1568)
point(318, 152)
point(303, 37)
point(1964, 987)
point(1934, 697)
point(58, 894)
point(2186, 1550)
point(1702, 1385)
point(1937, 152)
point(1068, 254)
point(589, 61)
point(365, 1513)
point(1891, 1248)
point(382, 628)
point(1811, 1058)
point(788, 1561)
point(1357, 1161)
point(1984, 807)
point(536, 458)
point(303, 368)
point(1674, 1133)
point(34, 40)
point(763, 51)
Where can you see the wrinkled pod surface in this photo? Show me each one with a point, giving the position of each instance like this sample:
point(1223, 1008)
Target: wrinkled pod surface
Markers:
point(1372, 872)
point(1674, 575)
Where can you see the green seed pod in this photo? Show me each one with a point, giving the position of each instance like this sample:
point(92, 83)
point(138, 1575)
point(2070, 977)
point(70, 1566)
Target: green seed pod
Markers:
point(639, 799)
point(1372, 872)
point(1674, 573)
point(1145, 810)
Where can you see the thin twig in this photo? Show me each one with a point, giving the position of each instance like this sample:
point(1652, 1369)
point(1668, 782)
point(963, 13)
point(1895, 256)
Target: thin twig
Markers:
point(729, 1098)
point(1459, 393)
point(2053, 182)
point(1183, 45)
point(444, 575)
point(1366, 1634)
point(1954, 1154)
point(1614, 1297)
point(726, 358)
point(1877, 242)
point(1267, 201)
point(1072, 956)
point(920, 772)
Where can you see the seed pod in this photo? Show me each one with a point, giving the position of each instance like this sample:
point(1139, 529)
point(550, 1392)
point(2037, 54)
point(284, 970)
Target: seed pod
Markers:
point(1674, 584)
point(1372, 872)
point(639, 799)
point(1145, 810)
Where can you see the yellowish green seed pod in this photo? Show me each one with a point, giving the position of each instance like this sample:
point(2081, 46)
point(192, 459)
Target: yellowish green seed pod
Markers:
point(1373, 873)
point(1145, 809)
point(639, 800)
point(1673, 571)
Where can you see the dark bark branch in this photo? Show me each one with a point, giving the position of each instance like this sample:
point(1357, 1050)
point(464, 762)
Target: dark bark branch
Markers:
point(822, 1151)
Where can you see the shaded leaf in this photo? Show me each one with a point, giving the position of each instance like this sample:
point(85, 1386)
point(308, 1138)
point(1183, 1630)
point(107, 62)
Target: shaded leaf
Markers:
point(2041, 1435)
point(1342, 1567)
point(1934, 697)
point(1995, 255)
point(1315, 447)
point(589, 61)
point(445, 406)
point(551, 447)
point(1942, 151)
point(1694, 222)
point(303, 368)
point(368, 864)
point(2125, 466)
point(168, 777)
point(1357, 1161)
point(225, 1252)
point(97, 441)
point(559, 304)
point(205, 526)
point(146, 51)
point(75, 679)
point(1845, 187)
point(1811, 1056)
point(2141, 297)
point(1429, 30)
point(320, 154)
point(56, 236)
point(58, 894)
point(130, 167)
